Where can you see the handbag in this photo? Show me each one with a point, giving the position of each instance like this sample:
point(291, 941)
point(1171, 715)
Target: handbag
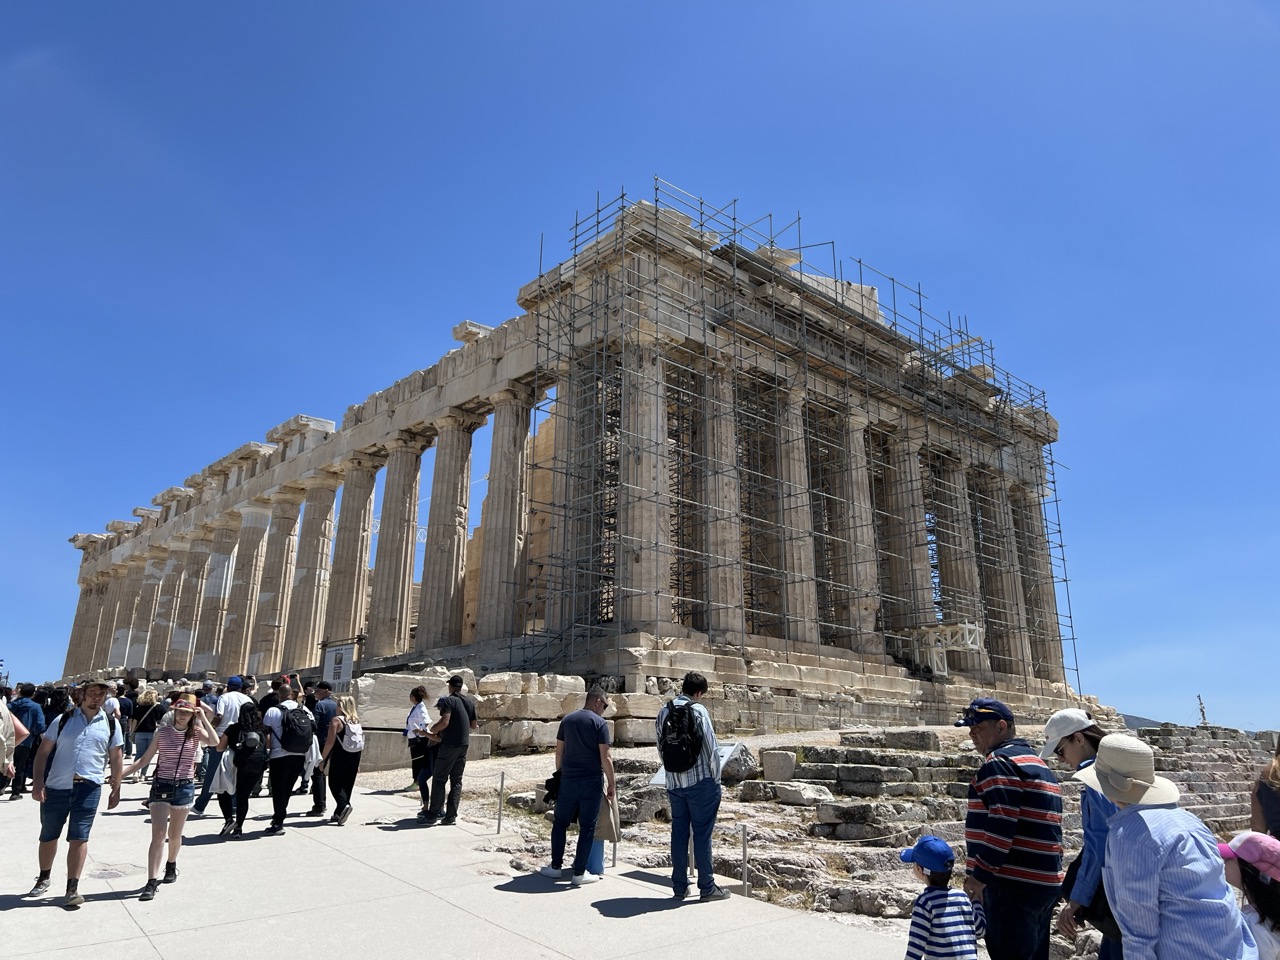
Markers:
point(418, 747)
point(1098, 913)
point(609, 827)
point(162, 791)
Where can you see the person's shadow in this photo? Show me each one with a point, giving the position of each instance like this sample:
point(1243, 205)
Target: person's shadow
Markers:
point(620, 908)
point(532, 883)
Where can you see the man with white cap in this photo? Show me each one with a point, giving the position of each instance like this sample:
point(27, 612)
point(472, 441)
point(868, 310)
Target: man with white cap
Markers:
point(1163, 872)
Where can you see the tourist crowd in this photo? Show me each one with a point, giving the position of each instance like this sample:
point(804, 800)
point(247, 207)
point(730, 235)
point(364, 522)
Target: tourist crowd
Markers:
point(1151, 877)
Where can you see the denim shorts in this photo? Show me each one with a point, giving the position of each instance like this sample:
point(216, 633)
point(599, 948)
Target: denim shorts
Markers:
point(79, 805)
point(181, 793)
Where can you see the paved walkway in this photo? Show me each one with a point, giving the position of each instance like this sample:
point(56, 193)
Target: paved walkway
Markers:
point(378, 887)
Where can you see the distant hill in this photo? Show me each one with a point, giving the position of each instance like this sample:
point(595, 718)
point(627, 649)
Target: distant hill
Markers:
point(1134, 722)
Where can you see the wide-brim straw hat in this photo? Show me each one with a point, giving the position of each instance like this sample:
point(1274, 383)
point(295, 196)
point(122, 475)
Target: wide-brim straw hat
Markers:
point(1125, 772)
point(186, 702)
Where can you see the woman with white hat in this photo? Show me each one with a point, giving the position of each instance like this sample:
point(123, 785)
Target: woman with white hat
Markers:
point(1073, 737)
point(1164, 873)
point(173, 789)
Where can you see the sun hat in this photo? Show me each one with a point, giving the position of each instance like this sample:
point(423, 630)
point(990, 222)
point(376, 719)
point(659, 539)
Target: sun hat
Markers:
point(108, 685)
point(1125, 772)
point(1260, 849)
point(933, 854)
point(1063, 724)
point(185, 701)
point(984, 708)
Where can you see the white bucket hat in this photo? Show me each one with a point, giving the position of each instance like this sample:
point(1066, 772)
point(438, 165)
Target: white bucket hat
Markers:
point(1125, 772)
point(1063, 724)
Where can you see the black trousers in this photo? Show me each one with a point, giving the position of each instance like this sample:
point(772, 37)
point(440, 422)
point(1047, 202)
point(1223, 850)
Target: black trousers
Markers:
point(343, 767)
point(319, 797)
point(450, 763)
point(283, 773)
point(21, 755)
point(246, 784)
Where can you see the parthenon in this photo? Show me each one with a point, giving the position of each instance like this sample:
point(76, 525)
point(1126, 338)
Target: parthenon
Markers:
point(702, 443)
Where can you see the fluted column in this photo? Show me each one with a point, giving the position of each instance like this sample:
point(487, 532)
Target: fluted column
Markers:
point(397, 536)
point(958, 559)
point(94, 647)
point(1038, 585)
point(145, 612)
point(796, 519)
point(1007, 640)
point(444, 562)
point(643, 569)
point(126, 609)
point(910, 600)
point(725, 616)
point(855, 537)
point(349, 584)
point(267, 643)
point(311, 575)
point(81, 630)
point(502, 566)
point(217, 586)
point(559, 613)
point(190, 599)
point(117, 613)
point(242, 600)
point(167, 603)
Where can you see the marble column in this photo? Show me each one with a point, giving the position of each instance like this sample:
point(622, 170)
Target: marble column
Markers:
point(444, 562)
point(349, 584)
point(502, 519)
point(1007, 641)
point(81, 630)
point(246, 577)
point(958, 559)
point(145, 612)
point(217, 587)
point(855, 533)
point(267, 643)
point(310, 593)
point(644, 552)
point(559, 613)
point(190, 596)
point(397, 537)
point(97, 654)
point(725, 616)
point(910, 600)
point(117, 614)
point(796, 520)
point(167, 603)
point(126, 609)
point(1038, 585)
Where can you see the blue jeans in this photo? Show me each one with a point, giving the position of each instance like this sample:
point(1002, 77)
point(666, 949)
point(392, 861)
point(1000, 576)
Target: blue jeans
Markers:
point(578, 800)
point(211, 760)
point(142, 741)
point(693, 807)
point(1018, 919)
point(79, 805)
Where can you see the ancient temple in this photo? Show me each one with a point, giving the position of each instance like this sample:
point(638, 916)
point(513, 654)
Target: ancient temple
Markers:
point(705, 452)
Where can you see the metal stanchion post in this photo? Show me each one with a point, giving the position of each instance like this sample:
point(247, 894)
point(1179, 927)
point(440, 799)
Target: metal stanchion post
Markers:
point(746, 884)
point(502, 789)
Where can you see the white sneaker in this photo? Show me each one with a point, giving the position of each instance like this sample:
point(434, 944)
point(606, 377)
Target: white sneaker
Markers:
point(583, 878)
point(555, 872)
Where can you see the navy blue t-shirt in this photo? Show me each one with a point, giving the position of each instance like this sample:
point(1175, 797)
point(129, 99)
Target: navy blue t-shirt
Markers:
point(582, 732)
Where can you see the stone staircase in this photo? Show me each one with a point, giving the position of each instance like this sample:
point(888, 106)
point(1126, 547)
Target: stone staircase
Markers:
point(884, 788)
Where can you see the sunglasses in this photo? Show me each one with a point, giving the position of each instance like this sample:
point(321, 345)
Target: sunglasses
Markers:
point(1057, 751)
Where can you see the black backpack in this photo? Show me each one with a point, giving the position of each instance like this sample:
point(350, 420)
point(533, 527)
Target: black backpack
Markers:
point(680, 740)
point(250, 749)
point(296, 730)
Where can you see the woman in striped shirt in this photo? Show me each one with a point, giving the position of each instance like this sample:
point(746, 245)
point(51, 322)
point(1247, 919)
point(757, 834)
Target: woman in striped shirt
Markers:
point(177, 748)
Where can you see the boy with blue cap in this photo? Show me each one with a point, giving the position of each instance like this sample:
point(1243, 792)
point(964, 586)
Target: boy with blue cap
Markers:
point(945, 923)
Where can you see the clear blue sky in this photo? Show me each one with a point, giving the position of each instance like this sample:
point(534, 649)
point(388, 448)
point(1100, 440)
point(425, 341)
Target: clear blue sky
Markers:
point(215, 216)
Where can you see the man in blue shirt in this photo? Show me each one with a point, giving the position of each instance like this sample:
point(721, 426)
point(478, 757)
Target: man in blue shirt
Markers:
point(1163, 872)
point(32, 717)
point(582, 758)
point(83, 741)
point(325, 710)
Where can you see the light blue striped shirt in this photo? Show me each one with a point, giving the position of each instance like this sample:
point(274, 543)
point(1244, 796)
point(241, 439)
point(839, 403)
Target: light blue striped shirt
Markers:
point(708, 764)
point(1167, 888)
point(83, 751)
point(1095, 811)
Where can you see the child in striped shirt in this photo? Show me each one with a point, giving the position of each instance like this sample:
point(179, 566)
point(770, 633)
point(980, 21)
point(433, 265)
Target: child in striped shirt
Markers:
point(945, 923)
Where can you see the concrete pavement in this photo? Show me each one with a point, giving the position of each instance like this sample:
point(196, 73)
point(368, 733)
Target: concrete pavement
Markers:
point(379, 886)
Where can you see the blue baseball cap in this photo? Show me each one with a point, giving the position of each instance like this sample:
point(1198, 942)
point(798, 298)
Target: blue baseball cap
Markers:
point(984, 708)
point(234, 683)
point(932, 853)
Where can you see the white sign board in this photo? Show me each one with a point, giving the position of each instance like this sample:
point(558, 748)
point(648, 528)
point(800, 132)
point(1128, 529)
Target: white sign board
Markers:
point(339, 660)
